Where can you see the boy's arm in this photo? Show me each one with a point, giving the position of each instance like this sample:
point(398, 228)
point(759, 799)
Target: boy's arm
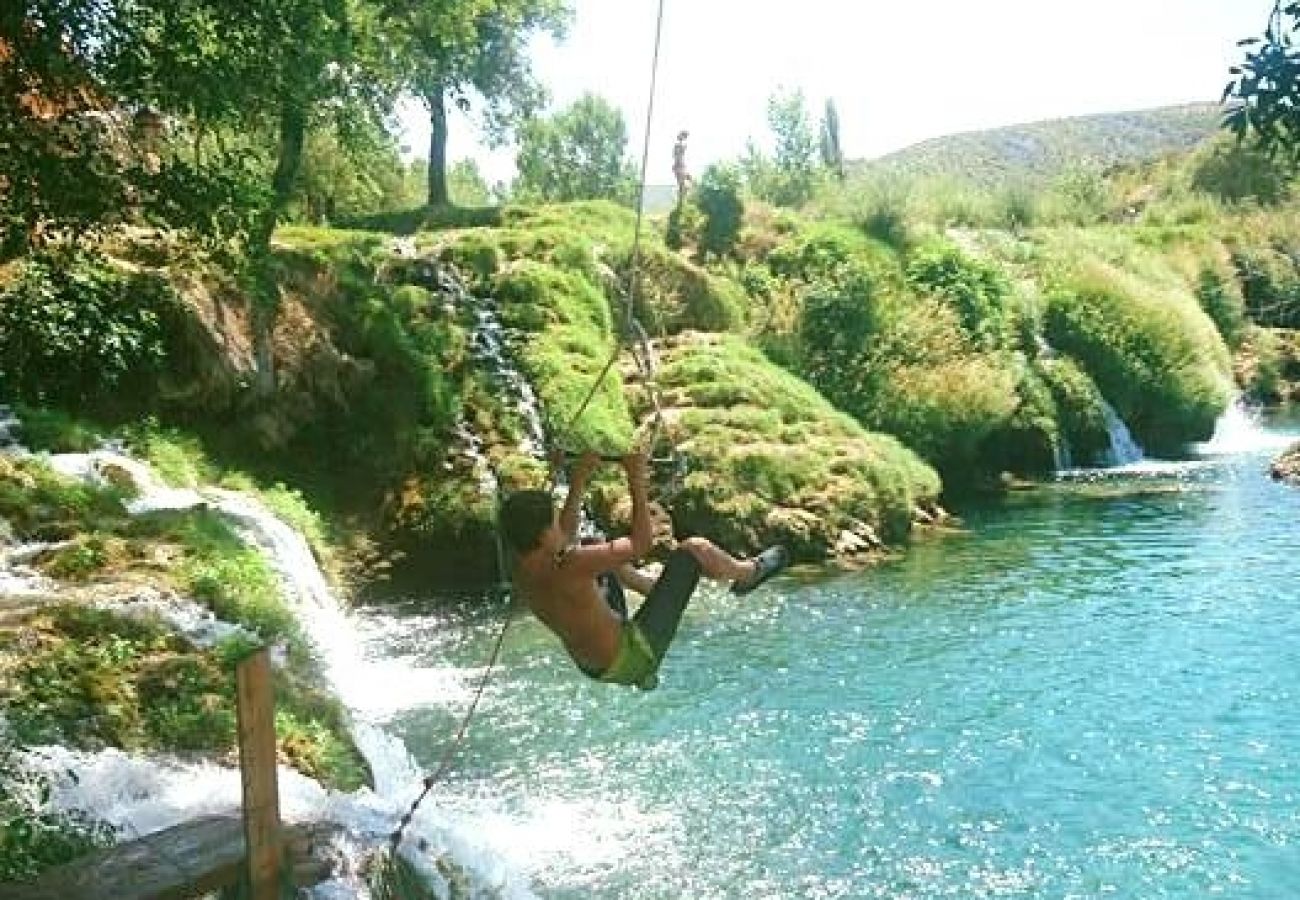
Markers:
point(597, 558)
point(578, 478)
point(633, 578)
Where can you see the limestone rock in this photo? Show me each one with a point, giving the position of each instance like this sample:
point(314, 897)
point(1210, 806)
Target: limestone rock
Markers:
point(1287, 466)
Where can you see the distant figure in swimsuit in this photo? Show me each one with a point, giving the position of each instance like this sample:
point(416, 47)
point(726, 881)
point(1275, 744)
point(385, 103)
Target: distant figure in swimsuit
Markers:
point(679, 165)
point(559, 578)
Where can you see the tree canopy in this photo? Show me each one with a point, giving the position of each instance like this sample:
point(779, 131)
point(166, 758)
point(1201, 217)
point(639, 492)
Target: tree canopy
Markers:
point(1266, 86)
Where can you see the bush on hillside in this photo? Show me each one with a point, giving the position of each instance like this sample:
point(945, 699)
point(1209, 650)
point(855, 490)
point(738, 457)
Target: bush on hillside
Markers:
point(76, 332)
point(718, 197)
point(1270, 284)
point(977, 291)
point(837, 322)
point(1235, 172)
point(1221, 297)
point(1155, 355)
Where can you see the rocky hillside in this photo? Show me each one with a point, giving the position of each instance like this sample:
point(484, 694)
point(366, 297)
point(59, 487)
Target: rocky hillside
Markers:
point(1037, 152)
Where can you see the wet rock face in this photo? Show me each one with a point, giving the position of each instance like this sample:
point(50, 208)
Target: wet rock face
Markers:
point(1287, 466)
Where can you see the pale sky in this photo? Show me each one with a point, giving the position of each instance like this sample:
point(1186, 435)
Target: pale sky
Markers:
point(900, 71)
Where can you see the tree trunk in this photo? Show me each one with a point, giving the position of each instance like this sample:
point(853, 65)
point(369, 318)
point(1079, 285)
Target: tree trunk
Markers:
point(438, 194)
point(293, 134)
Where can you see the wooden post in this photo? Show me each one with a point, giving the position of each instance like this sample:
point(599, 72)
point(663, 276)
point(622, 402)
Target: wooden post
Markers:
point(256, 712)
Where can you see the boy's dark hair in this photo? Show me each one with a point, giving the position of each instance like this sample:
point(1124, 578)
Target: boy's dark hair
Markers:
point(524, 516)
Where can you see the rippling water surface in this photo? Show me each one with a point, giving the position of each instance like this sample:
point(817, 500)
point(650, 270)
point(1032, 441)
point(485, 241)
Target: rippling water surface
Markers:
point(1094, 691)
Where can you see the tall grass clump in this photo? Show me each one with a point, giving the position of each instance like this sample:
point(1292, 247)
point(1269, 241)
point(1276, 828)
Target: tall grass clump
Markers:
point(1154, 354)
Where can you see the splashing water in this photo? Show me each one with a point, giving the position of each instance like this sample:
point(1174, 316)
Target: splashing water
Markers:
point(142, 795)
point(1239, 430)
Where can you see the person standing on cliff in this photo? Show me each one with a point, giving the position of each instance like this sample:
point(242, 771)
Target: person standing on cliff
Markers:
point(559, 578)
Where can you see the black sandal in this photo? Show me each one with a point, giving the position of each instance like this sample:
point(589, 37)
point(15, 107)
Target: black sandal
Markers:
point(766, 564)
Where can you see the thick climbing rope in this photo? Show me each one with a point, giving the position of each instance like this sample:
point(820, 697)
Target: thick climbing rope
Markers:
point(645, 363)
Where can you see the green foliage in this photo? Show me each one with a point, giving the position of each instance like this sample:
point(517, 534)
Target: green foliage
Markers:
point(41, 504)
point(573, 327)
point(55, 431)
point(718, 197)
point(1220, 295)
point(676, 295)
point(576, 154)
point(839, 319)
point(1270, 285)
point(1082, 423)
point(352, 174)
point(1154, 355)
point(1238, 172)
point(977, 291)
point(792, 176)
point(232, 578)
point(1265, 86)
point(75, 331)
point(467, 184)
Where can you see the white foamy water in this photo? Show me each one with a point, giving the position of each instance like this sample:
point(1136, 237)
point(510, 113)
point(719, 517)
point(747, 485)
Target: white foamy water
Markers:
point(1124, 450)
point(140, 795)
point(1239, 431)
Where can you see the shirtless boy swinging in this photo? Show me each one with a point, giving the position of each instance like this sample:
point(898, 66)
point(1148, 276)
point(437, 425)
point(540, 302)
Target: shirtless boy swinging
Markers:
point(558, 577)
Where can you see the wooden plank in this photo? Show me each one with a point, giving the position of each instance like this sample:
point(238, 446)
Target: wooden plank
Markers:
point(178, 863)
point(256, 716)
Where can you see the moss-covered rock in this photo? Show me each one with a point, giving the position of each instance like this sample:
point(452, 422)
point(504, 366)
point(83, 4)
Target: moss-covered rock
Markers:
point(1153, 352)
point(771, 460)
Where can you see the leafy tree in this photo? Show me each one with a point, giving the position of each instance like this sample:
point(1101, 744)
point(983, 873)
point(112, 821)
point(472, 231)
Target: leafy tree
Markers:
point(576, 154)
point(1267, 86)
point(718, 197)
point(467, 185)
point(467, 52)
point(832, 152)
point(59, 168)
point(790, 176)
point(347, 176)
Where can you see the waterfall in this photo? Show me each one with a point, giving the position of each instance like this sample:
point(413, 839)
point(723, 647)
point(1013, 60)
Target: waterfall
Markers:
point(1239, 430)
point(139, 795)
point(490, 348)
point(1124, 450)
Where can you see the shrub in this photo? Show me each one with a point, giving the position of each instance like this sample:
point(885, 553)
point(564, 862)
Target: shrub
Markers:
point(1221, 298)
point(74, 331)
point(1084, 438)
point(1270, 285)
point(718, 196)
point(1155, 355)
point(976, 290)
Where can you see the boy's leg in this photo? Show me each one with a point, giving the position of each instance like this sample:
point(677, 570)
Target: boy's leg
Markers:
point(717, 563)
point(662, 610)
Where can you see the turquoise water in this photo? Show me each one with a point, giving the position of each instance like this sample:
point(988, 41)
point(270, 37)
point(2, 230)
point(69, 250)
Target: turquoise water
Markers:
point(1094, 691)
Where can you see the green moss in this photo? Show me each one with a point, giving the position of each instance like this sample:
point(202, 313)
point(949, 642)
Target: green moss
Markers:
point(92, 678)
point(1155, 354)
point(772, 460)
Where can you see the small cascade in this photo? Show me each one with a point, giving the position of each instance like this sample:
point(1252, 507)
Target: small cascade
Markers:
point(139, 795)
point(1239, 431)
point(1124, 451)
point(1062, 459)
point(490, 347)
